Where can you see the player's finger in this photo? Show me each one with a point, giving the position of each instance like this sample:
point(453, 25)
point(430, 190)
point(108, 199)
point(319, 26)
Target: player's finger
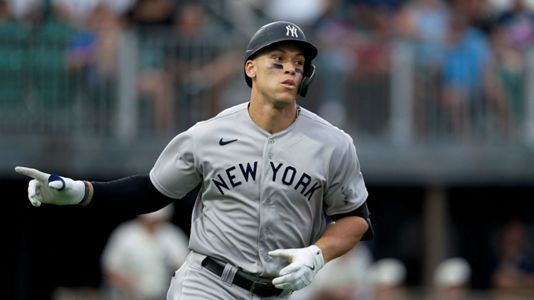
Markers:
point(283, 286)
point(34, 173)
point(35, 202)
point(34, 194)
point(289, 269)
point(284, 253)
point(56, 182)
point(33, 187)
point(282, 280)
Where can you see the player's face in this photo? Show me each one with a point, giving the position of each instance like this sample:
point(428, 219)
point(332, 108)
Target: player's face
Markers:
point(279, 72)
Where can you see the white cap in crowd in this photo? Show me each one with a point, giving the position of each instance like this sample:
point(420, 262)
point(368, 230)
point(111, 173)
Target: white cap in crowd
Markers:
point(388, 272)
point(452, 272)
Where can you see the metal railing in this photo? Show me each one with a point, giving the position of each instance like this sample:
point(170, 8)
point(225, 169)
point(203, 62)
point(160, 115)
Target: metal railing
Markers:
point(160, 83)
point(45, 90)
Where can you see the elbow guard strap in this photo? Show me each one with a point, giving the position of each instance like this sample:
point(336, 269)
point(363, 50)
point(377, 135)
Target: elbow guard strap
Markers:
point(363, 212)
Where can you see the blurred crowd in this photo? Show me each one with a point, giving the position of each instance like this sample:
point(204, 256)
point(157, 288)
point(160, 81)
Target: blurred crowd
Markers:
point(469, 57)
point(140, 254)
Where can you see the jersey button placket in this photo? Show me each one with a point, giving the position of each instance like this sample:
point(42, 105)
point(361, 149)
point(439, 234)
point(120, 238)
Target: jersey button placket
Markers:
point(270, 151)
point(266, 214)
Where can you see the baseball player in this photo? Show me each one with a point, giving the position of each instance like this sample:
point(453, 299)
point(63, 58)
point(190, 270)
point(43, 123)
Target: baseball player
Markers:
point(281, 192)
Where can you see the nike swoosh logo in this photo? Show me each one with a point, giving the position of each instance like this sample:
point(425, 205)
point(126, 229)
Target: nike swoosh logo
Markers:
point(222, 142)
point(311, 268)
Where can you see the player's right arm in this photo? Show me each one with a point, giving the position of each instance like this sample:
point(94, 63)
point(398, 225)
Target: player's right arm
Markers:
point(174, 176)
point(131, 195)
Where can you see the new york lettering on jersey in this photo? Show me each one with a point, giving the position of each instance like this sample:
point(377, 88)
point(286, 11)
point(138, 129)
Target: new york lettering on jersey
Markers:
point(288, 175)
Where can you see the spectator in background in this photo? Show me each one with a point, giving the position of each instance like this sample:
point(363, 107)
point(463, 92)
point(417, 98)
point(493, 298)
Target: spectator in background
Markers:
point(372, 35)
point(141, 254)
point(355, 36)
point(52, 31)
point(93, 51)
point(109, 26)
point(471, 91)
point(371, 44)
point(510, 71)
point(514, 265)
point(517, 21)
point(197, 64)
point(334, 34)
point(452, 280)
point(424, 24)
point(92, 61)
point(512, 35)
point(389, 279)
point(151, 20)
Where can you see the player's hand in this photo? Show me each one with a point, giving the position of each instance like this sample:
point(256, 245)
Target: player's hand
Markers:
point(304, 264)
point(52, 189)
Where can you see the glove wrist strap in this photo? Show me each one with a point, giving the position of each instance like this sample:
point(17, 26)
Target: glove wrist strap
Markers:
point(318, 258)
point(88, 193)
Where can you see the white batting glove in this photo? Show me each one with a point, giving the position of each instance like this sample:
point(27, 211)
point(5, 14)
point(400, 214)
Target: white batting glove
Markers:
point(52, 189)
point(304, 264)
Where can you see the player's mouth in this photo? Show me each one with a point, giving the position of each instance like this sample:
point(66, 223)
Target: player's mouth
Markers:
point(289, 84)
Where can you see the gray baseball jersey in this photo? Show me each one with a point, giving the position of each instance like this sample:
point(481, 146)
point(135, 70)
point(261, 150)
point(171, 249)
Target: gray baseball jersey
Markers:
point(260, 191)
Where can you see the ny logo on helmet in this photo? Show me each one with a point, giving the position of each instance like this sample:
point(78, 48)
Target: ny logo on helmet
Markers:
point(291, 30)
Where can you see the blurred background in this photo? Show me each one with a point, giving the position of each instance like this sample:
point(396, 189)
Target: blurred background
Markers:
point(438, 96)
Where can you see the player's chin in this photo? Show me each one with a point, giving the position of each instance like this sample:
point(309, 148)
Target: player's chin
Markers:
point(287, 95)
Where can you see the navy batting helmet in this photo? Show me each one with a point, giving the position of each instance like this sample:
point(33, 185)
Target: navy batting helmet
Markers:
point(278, 32)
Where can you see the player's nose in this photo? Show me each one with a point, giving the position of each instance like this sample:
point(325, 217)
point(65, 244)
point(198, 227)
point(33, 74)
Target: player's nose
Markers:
point(290, 68)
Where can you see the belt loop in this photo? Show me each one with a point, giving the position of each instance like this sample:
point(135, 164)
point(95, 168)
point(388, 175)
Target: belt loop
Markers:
point(228, 273)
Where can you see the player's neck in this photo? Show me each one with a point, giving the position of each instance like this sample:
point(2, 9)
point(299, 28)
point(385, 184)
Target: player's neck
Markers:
point(271, 118)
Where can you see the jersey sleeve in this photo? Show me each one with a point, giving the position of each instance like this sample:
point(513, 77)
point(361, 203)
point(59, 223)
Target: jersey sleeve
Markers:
point(175, 172)
point(346, 190)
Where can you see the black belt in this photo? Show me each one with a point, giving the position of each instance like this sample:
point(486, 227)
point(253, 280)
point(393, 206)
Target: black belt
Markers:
point(258, 288)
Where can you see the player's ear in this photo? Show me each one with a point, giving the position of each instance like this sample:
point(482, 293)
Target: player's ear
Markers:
point(250, 68)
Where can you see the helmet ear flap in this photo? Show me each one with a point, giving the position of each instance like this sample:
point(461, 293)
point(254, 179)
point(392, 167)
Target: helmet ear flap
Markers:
point(309, 74)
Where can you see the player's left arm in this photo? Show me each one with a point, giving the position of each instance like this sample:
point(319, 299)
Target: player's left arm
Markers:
point(341, 236)
point(345, 203)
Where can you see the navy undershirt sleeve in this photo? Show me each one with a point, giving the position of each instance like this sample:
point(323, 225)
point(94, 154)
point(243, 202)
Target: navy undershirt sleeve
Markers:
point(131, 195)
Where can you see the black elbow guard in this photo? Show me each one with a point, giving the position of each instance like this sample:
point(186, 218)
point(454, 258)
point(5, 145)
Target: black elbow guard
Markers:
point(362, 211)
